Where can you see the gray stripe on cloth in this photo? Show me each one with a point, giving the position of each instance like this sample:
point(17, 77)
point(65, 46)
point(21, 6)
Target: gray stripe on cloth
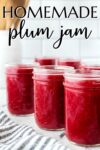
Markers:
point(22, 137)
point(45, 143)
point(18, 134)
point(14, 143)
point(2, 118)
point(23, 143)
point(7, 135)
point(36, 143)
point(7, 128)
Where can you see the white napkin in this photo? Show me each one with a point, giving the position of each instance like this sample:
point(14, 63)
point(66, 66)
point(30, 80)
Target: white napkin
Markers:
point(21, 137)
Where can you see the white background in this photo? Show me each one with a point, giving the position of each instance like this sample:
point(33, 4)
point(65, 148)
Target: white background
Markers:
point(72, 48)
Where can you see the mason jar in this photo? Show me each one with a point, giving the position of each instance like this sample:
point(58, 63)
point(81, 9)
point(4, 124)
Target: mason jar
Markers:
point(82, 107)
point(90, 64)
point(45, 61)
point(69, 62)
point(49, 97)
point(20, 89)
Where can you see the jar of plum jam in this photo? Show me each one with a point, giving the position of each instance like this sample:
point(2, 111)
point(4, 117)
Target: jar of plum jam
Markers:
point(89, 67)
point(20, 89)
point(49, 97)
point(45, 61)
point(82, 107)
point(69, 62)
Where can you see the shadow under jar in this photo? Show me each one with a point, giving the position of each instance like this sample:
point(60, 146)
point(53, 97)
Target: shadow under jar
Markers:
point(20, 89)
point(82, 108)
point(49, 97)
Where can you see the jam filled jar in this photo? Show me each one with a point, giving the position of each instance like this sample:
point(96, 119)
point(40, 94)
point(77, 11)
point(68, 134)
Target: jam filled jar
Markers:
point(89, 65)
point(20, 89)
point(69, 62)
point(49, 97)
point(82, 107)
point(45, 61)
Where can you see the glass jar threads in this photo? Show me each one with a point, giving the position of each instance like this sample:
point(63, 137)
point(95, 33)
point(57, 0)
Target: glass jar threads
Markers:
point(20, 89)
point(49, 97)
point(82, 107)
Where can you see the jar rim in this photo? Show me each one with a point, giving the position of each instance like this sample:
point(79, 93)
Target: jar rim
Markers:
point(91, 62)
point(19, 68)
point(76, 73)
point(51, 69)
point(68, 59)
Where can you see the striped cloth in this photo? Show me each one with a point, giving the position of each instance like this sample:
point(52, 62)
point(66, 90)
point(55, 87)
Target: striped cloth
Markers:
point(21, 137)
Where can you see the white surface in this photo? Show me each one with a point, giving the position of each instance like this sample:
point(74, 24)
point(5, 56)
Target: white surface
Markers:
point(29, 120)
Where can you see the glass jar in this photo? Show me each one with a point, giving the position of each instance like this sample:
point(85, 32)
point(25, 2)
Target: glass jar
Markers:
point(20, 89)
point(90, 64)
point(69, 62)
point(45, 61)
point(82, 107)
point(49, 97)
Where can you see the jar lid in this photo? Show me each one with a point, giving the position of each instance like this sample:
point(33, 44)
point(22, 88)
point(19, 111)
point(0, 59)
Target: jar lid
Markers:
point(19, 69)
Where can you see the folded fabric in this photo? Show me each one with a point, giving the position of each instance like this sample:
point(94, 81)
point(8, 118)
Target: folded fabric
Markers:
point(21, 137)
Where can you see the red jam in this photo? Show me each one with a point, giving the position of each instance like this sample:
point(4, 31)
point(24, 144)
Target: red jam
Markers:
point(20, 89)
point(69, 62)
point(82, 109)
point(45, 61)
point(49, 98)
point(89, 68)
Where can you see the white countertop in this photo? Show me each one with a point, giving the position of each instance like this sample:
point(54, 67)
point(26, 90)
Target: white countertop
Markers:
point(29, 120)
